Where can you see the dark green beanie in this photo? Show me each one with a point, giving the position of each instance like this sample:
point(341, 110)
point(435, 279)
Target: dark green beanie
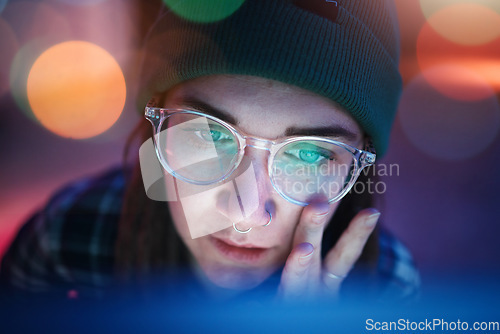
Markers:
point(349, 54)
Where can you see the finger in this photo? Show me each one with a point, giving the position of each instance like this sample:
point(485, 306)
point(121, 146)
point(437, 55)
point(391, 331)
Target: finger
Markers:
point(348, 248)
point(312, 224)
point(294, 280)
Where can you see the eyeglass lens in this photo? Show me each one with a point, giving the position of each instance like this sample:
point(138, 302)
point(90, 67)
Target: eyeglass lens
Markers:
point(201, 150)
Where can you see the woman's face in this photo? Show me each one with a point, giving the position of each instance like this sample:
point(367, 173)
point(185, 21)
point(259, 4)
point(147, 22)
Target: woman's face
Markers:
point(259, 108)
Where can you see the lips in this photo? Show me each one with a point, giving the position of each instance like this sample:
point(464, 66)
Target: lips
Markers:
point(245, 253)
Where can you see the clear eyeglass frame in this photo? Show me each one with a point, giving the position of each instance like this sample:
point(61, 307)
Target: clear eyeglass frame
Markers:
point(361, 158)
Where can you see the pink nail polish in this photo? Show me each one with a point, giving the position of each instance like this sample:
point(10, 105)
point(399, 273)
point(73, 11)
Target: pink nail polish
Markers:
point(321, 211)
point(308, 249)
point(319, 218)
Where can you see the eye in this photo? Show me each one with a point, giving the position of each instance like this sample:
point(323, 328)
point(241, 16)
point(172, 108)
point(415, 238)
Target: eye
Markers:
point(209, 136)
point(214, 135)
point(310, 155)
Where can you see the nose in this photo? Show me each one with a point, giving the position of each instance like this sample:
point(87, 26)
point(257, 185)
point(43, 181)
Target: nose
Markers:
point(247, 202)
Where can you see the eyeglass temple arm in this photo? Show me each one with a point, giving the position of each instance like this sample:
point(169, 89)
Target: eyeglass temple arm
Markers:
point(368, 155)
point(154, 115)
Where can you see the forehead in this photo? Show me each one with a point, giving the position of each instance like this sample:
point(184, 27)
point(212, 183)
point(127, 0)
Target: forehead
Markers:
point(263, 107)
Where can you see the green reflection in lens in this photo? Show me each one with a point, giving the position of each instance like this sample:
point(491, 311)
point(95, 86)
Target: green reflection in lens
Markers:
point(204, 11)
point(211, 135)
point(309, 156)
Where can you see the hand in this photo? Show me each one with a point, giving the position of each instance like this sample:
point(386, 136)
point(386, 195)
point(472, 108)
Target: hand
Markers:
point(305, 274)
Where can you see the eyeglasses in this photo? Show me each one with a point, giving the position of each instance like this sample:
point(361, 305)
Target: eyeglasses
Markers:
point(201, 149)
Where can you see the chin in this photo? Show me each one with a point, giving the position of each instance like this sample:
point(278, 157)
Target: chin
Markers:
point(236, 278)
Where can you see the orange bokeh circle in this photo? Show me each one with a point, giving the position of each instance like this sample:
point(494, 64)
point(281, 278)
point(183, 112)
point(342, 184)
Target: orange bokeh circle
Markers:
point(444, 127)
point(466, 23)
point(470, 68)
point(76, 89)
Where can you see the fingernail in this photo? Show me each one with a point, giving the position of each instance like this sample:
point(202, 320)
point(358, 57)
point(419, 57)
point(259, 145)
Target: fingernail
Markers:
point(372, 219)
point(319, 218)
point(306, 247)
point(322, 210)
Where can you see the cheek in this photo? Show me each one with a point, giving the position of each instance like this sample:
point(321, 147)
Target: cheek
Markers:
point(187, 219)
point(289, 217)
point(179, 219)
point(282, 228)
point(196, 213)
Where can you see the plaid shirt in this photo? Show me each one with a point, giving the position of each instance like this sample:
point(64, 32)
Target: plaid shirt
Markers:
point(70, 245)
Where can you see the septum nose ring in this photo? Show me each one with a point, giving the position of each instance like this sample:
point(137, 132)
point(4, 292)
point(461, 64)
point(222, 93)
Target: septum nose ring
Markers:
point(246, 231)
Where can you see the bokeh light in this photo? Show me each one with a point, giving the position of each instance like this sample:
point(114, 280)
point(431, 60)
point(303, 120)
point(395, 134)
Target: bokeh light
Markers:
point(472, 62)
point(36, 20)
point(119, 35)
point(9, 47)
point(3, 3)
point(19, 70)
point(458, 82)
point(429, 7)
point(204, 11)
point(466, 23)
point(37, 26)
point(81, 2)
point(76, 89)
point(443, 127)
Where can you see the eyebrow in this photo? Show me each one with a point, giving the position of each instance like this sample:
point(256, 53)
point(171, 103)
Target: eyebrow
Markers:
point(326, 131)
point(335, 131)
point(194, 103)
